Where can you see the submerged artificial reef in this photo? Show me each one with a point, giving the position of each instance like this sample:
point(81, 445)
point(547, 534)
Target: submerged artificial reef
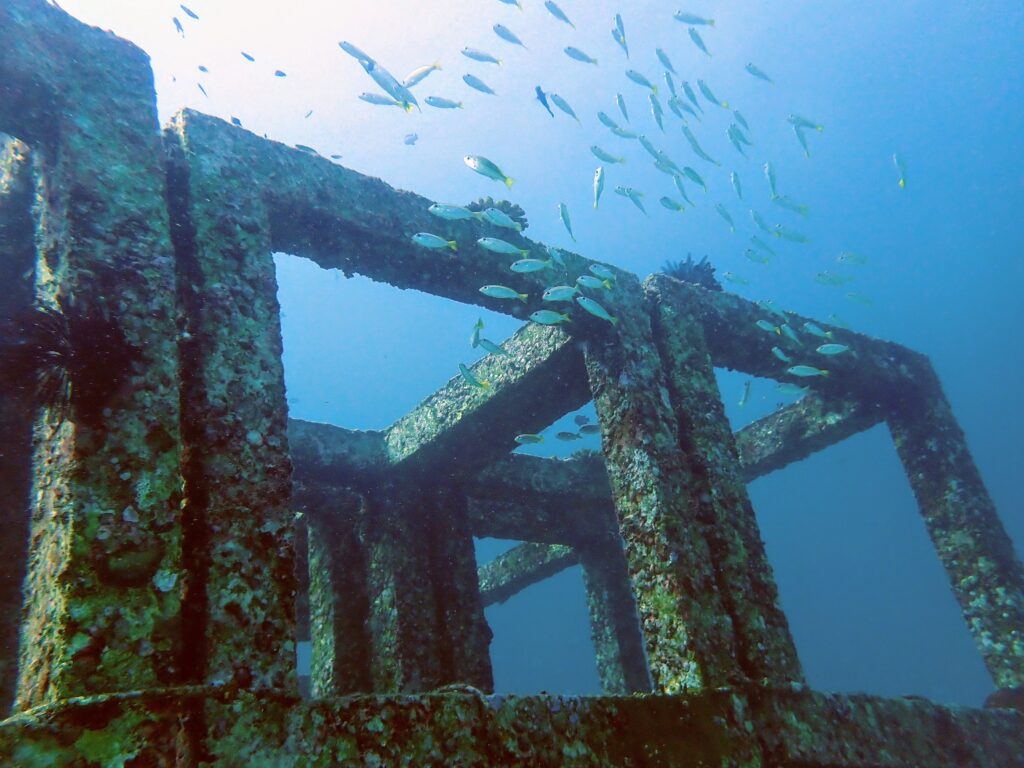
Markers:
point(148, 572)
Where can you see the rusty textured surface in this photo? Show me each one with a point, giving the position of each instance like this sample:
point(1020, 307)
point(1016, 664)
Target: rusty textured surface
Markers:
point(985, 575)
point(103, 589)
point(718, 492)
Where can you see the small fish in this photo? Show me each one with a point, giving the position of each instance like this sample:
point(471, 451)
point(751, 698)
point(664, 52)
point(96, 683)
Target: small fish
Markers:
point(691, 95)
point(563, 105)
point(790, 334)
point(439, 102)
point(178, 27)
point(756, 257)
point(762, 245)
point(769, 326)
point(560, 293)
point(735, 179)
point(200, 87)
point(602, 272)
point(379, 99)
point(280, 73)
point(622, 106)
point(806, 371)
point(656, 110)
point(816, 330)
point(390, 85)
point(478, 326)
point(668, 169)
point(428, 240)
point(247, 57)
point(471, 378)
point(503, 292)
point(543, 99)
point(568, 436)
point(781, 355)
point(499, 218)
point(594, 283)
point(335, 157)
point(860, 298)
point(496, 245)
point(477, 84)
point(356, 53)
point(695, 146)
point(848, 257)
point(651, 149)
point(665, 60)
point(803, 122)
point(606, 121)
point(525, 266)
point(598, 184)
point(769, 305)
point(693, 19)
point(733, 278)
point(761, 223)
point(507, 34)
point(634, 195)
point(734, 138)
point(746, 393)
point(769, 173)
point(600, 154)
point(549, 317)
point(556, 256)
point(741, 119)
point(678, 180)
point(575, 53)
point(725, 215)
point(236, 122)
point(711, 96)
point(676, 106)
point(494, 349)
point(901, 169)
point(580, 419)
point(669, 204)
point(308, 113)
point(790, 205)
point(693, 176)
point(595, 309)
point(516, 3)
point(419, 74)
point(558, 13)
point(529, 439)
point(740, 136)
point(791, 390)
point(758, 73)
point(837, 320)
point(789, 234)
point(188, 12)
point(452, 212)
point(563, 214)
point(590, 429)
point(639, 79)
point(203, 68)
point(485, 167)
point(481, 56)
point(620, 38)
point(410, 139)
point(698, 40)
point(802, 139)
point(832, 349)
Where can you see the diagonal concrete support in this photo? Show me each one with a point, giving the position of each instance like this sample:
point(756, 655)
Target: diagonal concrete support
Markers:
point(521, 567)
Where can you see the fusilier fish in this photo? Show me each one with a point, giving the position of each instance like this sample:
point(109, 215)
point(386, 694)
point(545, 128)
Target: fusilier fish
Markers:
point(734, 138)
point(563, 105)
point(678, 180)
point(634, 195)
point(472, 379)
point(549, 317)
point(803, 122)
point(503, 292)
point(478, 326)
point(711, 96)
point(848, 257)
point(622, 106)
point(806, 371)
point(499, 218)
point(725, 215)
point(419, 74)
point(452, 212)
point(525, 266)
point(833, 349)
point(693, 176)
point(496, 245)
point(481, 56)
point(560, 293)
point(769, 326)
point(620, 38)
point(756, 256)
point(781, 355)
point(563, 214)
point(439, 102)
point(354, 52)
point(477, 84)
point(741, 119)
point(697, 149)
point(602, 272)
point(762, 245)
point(606, 157)
point(639, 79)
point(390, 85)
point(665, 60)
point(831, 278)
point(557, 12)
point(691, 95)
point(622, 133)
point(598, 184)
point(188, 12)
point(379, 100)
point(575, 53)
point(816, 330)
point(672, 205)
point(901, 169)
point(769, 173)
point(529, 439)
point(735, 179)
point(594, 283)
point(494, 349)
point(693, 19)
point(507, 35)
point(656, 110)
point(761, 223)
point(667, 77)
point(595, 309)
point(790, 205)
point(485, 167)
point(758, 73)
point(606, 121)
point(516, 3)
point(698, 40)
point(734, 278)
point(746, 393)
point(790, 334)
point(543, 99)
point(428, 240)
point(802, 139)
point(789, 234)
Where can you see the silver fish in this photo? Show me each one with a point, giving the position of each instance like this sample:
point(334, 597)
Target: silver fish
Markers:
point(735, 179)
point(477, 84)
point(656, 110)
point(563, 214)
point(497, 245)
point(428, 240)
point(595, 309)
point(575, 53)
point(549, 317)
point(693, 19)
point(440, 102)
point(558, 13)
point(499, 218)
point(560, 293)
point(485, 167)
point(525, 266)
point(622, 106)
point(481, 56)
point(639, 79)
point(452, 212)
point(507, 34)
point(695, 146)
point(503, 292)
point(600, 154)
point(698, 40)
point(711, 96)
point(758, 73)
point(419, 74)
point(665, 60)
point(598, 184)
point(563, 105)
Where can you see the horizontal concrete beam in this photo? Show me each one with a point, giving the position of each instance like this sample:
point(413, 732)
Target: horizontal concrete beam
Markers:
point(521, 567)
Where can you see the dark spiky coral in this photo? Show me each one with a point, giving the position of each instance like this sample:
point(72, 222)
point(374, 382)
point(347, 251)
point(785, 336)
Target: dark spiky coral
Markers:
point(71, 360)
point(700, 272)
point(516, 213)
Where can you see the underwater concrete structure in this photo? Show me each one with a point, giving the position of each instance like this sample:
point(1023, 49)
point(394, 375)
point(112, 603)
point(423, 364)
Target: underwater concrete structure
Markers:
point(148, 573)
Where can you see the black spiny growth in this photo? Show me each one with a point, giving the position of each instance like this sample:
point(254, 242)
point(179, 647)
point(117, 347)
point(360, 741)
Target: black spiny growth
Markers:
point(700, 272)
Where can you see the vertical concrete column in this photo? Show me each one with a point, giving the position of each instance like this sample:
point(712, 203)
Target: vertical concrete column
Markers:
point(240, 542)
point(614, 626)
point(17, 268)
point(687, 630)
point(984, 571)
point(104, 580)
point(718, 492)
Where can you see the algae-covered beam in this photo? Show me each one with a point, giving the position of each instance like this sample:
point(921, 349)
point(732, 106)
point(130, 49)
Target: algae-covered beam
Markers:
point(520, 567)
point(795, 432)
point(17, 267)
point(717, 490)
point(107, 487)
point(983, 569)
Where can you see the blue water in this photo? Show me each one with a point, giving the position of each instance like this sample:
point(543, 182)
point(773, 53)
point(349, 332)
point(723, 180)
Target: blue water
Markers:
point(939, 83)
